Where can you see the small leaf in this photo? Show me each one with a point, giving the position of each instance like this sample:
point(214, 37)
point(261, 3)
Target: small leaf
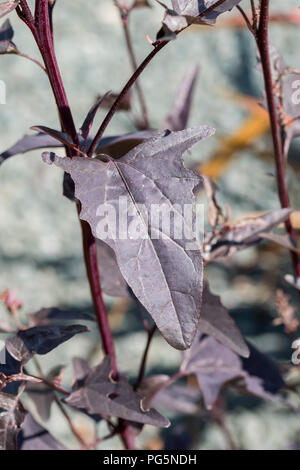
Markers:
point(34, 437)
point(108, 145)
point(215, 365)
point(6, 34)
point(40, 340)
point(62, 137)
point(216, 321)
point(42, 395)
point(7, 7)
point(175, 397)
point(195, 8)
point(12, 415)
point(112, 281)
point(283, 240)
point(178, 118)
point(245, 233)
point(174, 22)
point(150, 174)
point(46, 316)
point(108, 100)
point(100, 395)
point(88, 122)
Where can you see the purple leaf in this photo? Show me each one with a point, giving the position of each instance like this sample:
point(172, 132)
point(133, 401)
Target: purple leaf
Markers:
point(174, 21)
point(149, 258)
point(28, 143)
point(62, 137)
point(40, 340)
point(194, 8)
point(215, 365)
point(42, 395)
point(108, 100)
point(108, 145)
point(216, 321)
point(46, 316)
point(6, 34)
point(175, 397)
point(99, 394)
point(283, 240)
point(178, 118)
point(187, 12)
point(34, 437)
point(7, 7)
point(12, 415)
point(247, 232)
point(88, 122)
point(112, 281)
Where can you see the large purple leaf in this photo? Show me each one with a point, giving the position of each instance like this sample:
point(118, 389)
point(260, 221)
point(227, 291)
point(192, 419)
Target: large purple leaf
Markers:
point(97, 393)
point(216, 321)
point(34, 437)
point(12, 415)
point(112, 281)
point(215, 365)
point(7, 7)
point(40, 340)
point(151, 259)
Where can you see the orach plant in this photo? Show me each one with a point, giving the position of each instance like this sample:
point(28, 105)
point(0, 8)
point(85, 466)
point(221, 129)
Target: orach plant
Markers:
point(163, 273)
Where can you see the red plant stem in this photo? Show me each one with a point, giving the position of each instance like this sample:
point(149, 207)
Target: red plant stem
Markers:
point(89, 244)
point(42, 33)
point(91, 262)
point(178, 375)
point(262, 40)
point(120, 97)
point(145, 357)
point(45, 43)
point(134, 67)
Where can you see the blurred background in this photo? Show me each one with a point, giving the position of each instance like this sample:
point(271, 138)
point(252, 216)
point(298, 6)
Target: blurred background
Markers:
point(40, 240)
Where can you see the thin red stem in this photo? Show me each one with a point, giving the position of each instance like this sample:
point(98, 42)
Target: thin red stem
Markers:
point(45, 43)
point(134, 67)
point(145, 357)
point(120, 97)
point(262, 39)
point(91, 262)
point(42, 32)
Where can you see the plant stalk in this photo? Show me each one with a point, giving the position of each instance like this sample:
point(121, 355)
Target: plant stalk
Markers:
point(262, 40)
